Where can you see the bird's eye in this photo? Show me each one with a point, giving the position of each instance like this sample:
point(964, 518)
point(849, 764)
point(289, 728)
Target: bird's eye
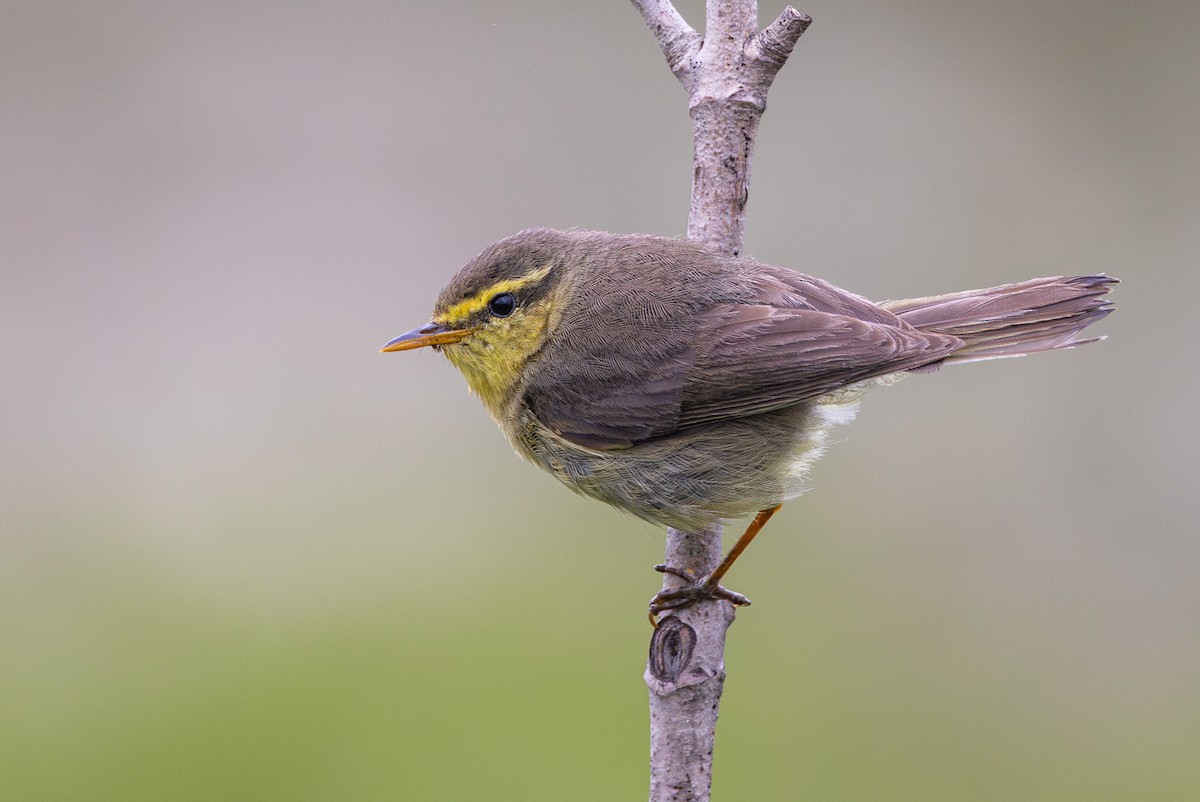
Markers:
point(502, 305)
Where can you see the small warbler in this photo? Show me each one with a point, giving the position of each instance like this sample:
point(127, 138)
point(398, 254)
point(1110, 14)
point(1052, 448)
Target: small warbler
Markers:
point(688, 387)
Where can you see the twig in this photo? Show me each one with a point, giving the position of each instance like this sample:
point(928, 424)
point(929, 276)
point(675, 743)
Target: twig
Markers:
point(726, 74)
point(679, 42)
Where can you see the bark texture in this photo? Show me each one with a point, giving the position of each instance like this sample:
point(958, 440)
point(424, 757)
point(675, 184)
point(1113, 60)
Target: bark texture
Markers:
point(726, 73)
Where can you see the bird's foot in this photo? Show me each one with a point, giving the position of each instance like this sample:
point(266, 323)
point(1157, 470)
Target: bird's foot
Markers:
point(694, 590)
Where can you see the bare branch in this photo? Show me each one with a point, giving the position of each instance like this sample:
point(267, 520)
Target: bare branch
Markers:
point(774, 43)
point(679, 41)
point(726, 73)
point(685, 675)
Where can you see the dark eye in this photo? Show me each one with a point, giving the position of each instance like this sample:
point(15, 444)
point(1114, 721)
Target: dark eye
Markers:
point(502, 305)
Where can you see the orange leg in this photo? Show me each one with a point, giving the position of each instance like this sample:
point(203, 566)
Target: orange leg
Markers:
point(760, 520)
point(708, 587)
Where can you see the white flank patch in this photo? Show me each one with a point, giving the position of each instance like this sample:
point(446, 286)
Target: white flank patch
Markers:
point(825, 418)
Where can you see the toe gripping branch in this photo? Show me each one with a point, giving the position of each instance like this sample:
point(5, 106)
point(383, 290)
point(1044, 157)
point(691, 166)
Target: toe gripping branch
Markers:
point(694, 590)
point(708, 587)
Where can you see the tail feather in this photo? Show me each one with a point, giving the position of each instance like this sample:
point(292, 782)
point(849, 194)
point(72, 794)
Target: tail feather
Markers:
point(1043, 314)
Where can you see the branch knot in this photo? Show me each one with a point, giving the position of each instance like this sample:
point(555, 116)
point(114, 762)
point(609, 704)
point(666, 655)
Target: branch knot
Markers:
point(671, 649)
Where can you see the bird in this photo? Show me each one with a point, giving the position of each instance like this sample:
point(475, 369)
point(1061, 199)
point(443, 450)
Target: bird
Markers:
point(690, 387)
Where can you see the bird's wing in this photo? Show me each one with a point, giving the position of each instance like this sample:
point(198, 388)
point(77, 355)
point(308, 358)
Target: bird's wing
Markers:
point(612, 394)
point(762, 358)
point(741, 359)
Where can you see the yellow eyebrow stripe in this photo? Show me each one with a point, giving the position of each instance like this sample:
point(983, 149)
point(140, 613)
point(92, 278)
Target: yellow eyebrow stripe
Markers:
point(469, 306)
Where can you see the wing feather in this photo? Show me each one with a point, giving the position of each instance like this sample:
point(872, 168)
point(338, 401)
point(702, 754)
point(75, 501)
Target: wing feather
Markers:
point(750, 359)
point(766, 358)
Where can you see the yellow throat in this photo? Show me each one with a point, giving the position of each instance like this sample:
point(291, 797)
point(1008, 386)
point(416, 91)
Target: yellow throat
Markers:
point(494, 356)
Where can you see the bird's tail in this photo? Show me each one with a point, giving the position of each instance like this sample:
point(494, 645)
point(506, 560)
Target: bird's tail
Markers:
point(1013, 320)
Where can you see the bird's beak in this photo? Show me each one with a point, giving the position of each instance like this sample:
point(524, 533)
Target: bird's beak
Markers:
point(429, 334)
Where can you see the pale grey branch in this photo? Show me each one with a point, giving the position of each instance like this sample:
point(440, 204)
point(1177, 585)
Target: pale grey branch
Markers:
point(774, 43)
point(679, 41)
point(726, 73)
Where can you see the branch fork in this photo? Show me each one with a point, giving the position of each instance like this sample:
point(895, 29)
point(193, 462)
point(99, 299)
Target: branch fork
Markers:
point(726, 73)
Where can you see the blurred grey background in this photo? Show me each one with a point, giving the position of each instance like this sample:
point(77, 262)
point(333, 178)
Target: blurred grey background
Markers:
point(245, 556)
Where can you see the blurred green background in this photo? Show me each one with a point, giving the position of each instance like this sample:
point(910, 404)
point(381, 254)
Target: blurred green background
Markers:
point(246, 557)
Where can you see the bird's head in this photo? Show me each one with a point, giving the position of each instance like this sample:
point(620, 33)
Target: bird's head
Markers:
point(498, 312)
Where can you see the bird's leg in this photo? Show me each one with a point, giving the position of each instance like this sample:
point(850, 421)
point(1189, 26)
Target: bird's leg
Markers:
point(709, 586)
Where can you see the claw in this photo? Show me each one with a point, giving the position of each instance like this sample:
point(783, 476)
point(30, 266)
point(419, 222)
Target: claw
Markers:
point(709, 586)
point(694, 590)
point(682, 573)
